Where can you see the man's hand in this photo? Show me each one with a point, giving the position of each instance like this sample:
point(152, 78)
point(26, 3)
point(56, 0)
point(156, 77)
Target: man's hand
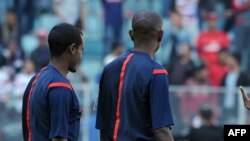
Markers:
point(245, 98)
point(163, 134)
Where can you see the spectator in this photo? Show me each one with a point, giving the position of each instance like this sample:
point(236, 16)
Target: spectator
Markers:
point(20, 82)
point(167, 7)
point(5, 81)
point(116, 50)
point(71, 11)
point(211, 41)
point(242, 30)
point(189, 10)
point(205, 7)
point(182, 67)
point(10, 27)
point(234, 78)
point(13, 55)
point(219, 69)
point(229, 15)
point(209, 44)
point(172, 39)
point(208, 130)
point(41, 55)
point(26, 15)
point(113, 20)
point(196, 93)
point(44, 7)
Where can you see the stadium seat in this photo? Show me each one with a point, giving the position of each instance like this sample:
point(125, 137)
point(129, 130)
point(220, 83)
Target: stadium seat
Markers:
point(46, 21)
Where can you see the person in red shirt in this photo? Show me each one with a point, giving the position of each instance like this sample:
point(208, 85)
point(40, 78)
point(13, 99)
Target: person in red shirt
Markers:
point(209, 44)
point(218, 70)
point(190, 101)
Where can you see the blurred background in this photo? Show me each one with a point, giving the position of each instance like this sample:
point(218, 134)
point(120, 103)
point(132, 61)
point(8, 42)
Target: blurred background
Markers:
point(205, 49)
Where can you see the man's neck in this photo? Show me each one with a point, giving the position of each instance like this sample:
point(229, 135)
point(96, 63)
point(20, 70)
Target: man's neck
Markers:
point(147, 48)
point(59, 64)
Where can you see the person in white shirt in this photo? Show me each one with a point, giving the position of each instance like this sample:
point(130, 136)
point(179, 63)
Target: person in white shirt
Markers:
point(116, 50)
point(20, 82)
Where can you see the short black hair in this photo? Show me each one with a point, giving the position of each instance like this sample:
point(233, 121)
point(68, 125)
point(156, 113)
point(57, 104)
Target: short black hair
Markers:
point(61, 36)
point(206, 111)
point(145, 23)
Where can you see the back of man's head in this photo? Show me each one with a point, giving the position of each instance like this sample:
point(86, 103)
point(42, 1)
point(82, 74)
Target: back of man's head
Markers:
point(146, 25)
point(61, 36)
point(206, 112)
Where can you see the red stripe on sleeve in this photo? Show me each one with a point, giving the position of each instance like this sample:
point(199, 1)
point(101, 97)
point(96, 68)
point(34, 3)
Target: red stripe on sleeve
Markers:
point(160, 71)
point(60, 84)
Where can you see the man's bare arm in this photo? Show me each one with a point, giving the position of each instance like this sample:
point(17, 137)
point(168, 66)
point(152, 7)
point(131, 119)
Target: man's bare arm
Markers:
point(163, 134)
point(245, 98)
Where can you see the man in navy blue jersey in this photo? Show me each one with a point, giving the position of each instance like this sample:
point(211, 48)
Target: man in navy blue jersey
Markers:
point(133, 102)
point(51, 109)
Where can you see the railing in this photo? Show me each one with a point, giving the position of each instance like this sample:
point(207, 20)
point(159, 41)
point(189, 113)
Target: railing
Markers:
point(87, 94)
point(241, 117)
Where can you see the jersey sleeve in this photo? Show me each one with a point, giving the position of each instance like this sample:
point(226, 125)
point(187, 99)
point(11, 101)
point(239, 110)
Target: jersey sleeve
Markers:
point(60, 105)
point(159, 100)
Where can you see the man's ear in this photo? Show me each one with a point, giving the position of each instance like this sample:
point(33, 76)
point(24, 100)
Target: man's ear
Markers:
point(160, 34)
point(131, 34)
point(73, 48)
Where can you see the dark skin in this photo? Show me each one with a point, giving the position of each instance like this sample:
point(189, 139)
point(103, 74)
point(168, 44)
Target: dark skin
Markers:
point(150, 46)
point(59, 139)
point(147, 34)
point(68, 61)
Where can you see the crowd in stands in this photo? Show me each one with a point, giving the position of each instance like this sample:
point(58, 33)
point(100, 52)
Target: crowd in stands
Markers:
point(205, 43)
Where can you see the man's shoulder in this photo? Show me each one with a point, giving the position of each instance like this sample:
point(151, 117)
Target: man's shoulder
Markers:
point(156, 65)
point(144, 63)
point(158, 69)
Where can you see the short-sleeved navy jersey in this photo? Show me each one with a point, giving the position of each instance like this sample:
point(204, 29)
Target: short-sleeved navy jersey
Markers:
point(50, 108)
point(133, 99)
